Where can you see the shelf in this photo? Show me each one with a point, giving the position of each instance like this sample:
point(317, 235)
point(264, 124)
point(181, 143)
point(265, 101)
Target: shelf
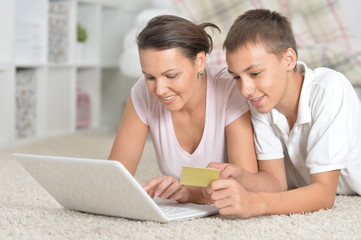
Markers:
point(7, 106)
point(29, 97)
point(5, 66)
point(111, 101)
point(30, 31)
point(88, 17)
point(46, 82)
point(88, 82)
point(60, 99)
point(7, 27)
point(111, 3)
point(61, 32)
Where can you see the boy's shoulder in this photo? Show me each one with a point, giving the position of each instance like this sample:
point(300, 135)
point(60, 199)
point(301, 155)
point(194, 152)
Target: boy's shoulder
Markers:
point(324, 84)
point(328, 77)
point(323, 77)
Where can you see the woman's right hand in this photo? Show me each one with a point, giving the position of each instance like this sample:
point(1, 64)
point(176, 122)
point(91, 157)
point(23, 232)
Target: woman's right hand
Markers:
point(166, 187)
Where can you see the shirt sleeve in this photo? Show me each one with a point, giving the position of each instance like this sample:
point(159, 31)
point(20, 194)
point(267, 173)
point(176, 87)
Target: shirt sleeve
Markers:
point(139, 95)
point(236, 105)
point(330, 139)
point(268, 145)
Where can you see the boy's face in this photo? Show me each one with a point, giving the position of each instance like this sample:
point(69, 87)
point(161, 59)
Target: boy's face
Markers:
point(260, 76)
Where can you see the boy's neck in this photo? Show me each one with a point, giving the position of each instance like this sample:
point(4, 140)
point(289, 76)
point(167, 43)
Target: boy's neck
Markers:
point(289, 103)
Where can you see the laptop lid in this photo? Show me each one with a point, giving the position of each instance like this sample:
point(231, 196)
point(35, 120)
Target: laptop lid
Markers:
point(101, 187)
point(95, 186)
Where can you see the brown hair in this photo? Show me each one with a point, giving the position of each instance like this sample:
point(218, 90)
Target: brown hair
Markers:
point(262, 26)
point(168, 31)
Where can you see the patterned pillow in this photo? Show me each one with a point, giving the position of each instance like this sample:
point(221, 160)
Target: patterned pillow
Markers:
point(322, 37)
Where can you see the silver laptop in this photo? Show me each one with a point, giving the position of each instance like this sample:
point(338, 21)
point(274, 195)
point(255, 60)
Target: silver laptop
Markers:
point(104, 187)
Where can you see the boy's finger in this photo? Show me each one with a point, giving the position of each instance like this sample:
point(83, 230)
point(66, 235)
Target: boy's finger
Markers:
point(221, 184)
point(228, 172)
point(217, 165)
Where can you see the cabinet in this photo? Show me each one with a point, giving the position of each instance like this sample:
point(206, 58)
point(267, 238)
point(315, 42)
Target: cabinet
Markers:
point(50, 84)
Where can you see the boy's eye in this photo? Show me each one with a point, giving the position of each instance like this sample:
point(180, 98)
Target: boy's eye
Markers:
point(236, 77)
point(172, 76)
point(255, 74)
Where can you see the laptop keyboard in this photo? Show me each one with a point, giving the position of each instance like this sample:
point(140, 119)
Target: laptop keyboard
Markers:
point(177, 212)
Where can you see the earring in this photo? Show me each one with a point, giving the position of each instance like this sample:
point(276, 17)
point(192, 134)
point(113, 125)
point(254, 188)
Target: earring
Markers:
point(200, 74)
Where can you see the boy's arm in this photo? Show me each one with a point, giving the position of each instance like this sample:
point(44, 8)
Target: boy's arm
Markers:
point(320, 194)
point(233, 199)
point(271, 176)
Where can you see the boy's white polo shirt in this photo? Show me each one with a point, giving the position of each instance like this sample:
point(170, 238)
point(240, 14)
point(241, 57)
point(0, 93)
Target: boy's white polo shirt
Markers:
point(326, 135)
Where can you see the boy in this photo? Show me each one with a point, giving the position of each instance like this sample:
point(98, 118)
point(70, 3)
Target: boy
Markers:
point(307, 125)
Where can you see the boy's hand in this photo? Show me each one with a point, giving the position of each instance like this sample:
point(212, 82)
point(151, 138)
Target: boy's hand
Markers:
point(232, 199)
point(227, 170)
point(167, 187)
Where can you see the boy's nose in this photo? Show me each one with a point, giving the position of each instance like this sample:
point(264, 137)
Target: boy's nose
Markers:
point(246, 87)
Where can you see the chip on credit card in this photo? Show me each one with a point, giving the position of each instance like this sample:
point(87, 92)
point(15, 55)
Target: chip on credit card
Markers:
point(196, 176)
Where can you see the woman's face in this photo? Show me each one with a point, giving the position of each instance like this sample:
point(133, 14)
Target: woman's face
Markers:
point(171, 77)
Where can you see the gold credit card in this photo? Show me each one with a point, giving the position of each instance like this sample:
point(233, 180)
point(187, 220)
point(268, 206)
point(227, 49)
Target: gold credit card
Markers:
point(196, 176)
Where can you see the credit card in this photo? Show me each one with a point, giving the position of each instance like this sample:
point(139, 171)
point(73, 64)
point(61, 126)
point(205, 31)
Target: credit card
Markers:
point(196, 176)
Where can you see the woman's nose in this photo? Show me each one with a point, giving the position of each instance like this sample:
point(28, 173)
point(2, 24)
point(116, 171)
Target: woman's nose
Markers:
point(161, 87)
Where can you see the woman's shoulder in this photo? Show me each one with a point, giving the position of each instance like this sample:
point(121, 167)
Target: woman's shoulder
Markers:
point(219, 76)
point(141, 95)
point(218, 71)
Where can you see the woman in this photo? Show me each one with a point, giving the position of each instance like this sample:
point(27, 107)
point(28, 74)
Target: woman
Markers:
point(193, 112)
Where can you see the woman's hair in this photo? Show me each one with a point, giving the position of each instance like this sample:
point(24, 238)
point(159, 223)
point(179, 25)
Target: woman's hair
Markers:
point(261, 26)
point(168, 31)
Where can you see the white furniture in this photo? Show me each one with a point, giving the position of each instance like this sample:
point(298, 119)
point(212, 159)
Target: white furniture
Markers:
point(41, 70)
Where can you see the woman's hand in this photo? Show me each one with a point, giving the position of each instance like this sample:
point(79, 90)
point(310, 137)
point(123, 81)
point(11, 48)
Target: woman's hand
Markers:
point(167, 187)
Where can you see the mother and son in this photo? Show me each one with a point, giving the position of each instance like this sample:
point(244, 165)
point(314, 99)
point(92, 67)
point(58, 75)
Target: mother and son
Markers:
point(286, 138)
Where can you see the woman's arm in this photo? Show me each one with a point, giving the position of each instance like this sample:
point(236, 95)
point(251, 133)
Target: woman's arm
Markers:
point(240, 144)
point(130, 139)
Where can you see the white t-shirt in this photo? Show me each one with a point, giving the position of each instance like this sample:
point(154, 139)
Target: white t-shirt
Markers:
point(224, 104)
point(326, 135)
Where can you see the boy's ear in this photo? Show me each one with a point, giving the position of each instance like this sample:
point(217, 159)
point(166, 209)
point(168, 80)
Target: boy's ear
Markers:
point(291, 59)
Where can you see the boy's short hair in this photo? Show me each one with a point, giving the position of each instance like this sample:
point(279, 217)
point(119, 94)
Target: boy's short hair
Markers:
point(261, 26)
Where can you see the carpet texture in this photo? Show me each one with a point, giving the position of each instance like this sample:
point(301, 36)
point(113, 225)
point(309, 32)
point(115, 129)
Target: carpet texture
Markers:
point(27, 211)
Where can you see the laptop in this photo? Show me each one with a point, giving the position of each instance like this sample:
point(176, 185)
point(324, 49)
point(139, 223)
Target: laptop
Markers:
point(104, 187)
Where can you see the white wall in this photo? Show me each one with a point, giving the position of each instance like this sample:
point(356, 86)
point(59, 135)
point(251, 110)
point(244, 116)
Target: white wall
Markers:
point(351, 9)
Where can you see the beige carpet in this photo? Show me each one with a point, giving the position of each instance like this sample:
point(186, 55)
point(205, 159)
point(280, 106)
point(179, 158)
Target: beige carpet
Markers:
point(28, 212)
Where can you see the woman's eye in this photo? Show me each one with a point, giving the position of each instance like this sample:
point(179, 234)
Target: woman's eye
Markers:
point(150, 78)
point(236, 77)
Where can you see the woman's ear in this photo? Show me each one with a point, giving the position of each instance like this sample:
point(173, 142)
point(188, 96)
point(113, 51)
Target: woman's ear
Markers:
point(200, 61)
point(291, 59)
